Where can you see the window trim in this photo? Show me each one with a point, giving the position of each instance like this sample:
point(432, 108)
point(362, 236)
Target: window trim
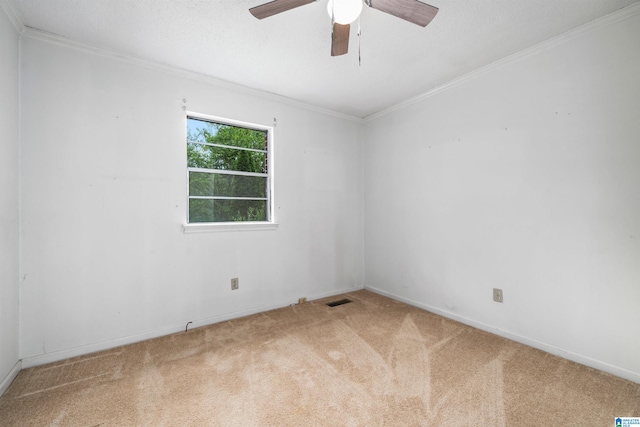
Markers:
point(270, 223)
point(208, 227)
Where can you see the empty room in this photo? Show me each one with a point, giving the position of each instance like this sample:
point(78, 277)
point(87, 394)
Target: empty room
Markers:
point(323, 213)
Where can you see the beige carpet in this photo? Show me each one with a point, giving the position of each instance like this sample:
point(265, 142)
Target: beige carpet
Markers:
point(372, 362)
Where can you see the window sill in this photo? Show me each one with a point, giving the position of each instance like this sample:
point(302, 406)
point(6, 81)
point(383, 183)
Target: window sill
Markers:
point(208, 227)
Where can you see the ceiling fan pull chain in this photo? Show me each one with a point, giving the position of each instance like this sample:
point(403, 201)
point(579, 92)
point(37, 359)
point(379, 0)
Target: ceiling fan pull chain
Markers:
point(359, 56)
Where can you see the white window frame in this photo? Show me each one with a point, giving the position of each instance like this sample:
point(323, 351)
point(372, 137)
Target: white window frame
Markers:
point(270, 223)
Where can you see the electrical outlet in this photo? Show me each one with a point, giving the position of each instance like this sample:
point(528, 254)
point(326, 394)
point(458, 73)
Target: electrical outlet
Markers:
point(497, 295)
point(234, 284)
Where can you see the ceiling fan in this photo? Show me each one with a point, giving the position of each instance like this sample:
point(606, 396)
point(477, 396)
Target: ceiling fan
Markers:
point(344, 12)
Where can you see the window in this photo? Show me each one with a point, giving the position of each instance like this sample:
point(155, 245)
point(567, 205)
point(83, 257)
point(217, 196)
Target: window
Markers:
point(228, 167)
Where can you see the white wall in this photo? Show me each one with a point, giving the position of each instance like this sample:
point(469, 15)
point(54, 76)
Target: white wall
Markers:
point(524, 177)
point(9, 201)
point(105, 260)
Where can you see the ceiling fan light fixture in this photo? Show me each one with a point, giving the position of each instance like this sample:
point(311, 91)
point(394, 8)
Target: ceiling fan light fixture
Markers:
point(344, 11)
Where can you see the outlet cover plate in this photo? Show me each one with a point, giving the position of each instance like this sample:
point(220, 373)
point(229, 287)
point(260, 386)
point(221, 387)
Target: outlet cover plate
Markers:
point(497, 295)
point(234, 284)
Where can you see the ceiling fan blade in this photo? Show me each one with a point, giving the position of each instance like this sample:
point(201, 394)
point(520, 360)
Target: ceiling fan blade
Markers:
point(409, 10)
point(339, 39)
point(276, 6)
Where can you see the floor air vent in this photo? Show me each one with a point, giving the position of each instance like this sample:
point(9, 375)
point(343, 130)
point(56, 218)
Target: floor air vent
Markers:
point(340, 302)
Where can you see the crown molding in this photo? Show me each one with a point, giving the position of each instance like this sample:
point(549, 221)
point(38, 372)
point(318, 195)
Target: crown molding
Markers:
point(12, 15)
point(36, 34)
point(589, 27)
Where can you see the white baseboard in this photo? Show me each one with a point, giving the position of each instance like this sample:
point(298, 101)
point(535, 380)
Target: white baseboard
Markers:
point(42, 359)
point(13, 373)
point(557, 351)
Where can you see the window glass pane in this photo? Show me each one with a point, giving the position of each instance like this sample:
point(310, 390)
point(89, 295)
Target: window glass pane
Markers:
point(207, 157)
point(212, 184)
point(217, 133)
point(227, 210)
point(238, 152)
point(200, 210)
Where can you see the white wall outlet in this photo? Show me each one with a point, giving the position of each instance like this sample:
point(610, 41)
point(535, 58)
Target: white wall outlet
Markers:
point(497, 295)
point(234, 284)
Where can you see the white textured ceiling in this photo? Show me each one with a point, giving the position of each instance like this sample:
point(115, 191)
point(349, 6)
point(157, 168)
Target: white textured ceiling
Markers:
point(289, 54)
